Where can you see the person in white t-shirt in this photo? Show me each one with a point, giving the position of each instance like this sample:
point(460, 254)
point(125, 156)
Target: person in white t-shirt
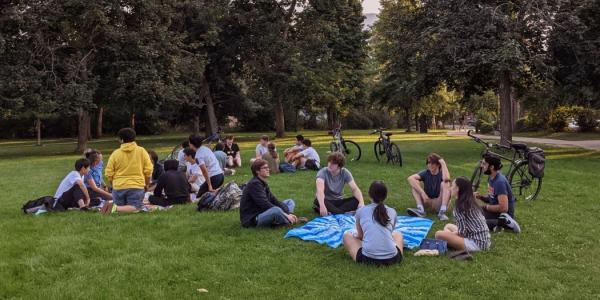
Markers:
point(307, 158)
point(72, 193)
point(209, 166)
point(193, 173)
point(261, 149)
point(291, 151)
point(180, 158)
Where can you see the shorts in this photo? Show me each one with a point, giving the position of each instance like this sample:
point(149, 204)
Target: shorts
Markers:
point(471, 246)
point(133, 197)
point(362, 259)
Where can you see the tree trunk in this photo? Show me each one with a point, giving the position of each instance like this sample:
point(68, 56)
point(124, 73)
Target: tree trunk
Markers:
point(407, 120)
point(99, 122)
point(416, 122)
point(423, 124)
point(88, 120)
point(82, 130)
point(211, 117)
point(332, 120)
point(434, 123)
point(38, 130)
point(279, 119)
point(196, 124)
point(506, 118)
point(132, 121)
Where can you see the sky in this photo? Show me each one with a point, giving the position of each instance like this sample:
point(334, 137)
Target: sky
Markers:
point(370, 6)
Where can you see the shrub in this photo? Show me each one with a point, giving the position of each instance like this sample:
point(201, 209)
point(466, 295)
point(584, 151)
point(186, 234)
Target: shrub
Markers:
point(586, 118)
point(558, 118)
point(486, 127)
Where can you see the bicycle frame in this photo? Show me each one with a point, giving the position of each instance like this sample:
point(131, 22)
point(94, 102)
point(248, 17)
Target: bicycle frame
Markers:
point(517, 156)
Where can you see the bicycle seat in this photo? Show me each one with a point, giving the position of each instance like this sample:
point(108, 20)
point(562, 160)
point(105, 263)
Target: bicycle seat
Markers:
point(519, 146)
point(388, 134)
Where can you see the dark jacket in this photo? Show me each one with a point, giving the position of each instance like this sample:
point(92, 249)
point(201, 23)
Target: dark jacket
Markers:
point(256, 199)
point(174, 184)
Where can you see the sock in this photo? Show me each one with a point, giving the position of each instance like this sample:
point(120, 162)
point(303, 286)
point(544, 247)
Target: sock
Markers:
point(420, 208)
point(443, 209)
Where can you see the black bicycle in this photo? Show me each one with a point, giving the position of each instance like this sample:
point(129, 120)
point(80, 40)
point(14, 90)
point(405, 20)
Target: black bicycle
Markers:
point(350, 149)
point(523, 184)
point(385, 146)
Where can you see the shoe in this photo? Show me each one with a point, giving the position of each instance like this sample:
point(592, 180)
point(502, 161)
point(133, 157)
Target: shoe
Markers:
point(415, 212)
point(460, 255)
point(107, 208)
point(443, 217)
point(509, 222)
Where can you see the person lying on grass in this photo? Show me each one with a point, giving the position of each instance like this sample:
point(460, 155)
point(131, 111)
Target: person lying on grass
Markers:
point(374, 241)
point(259, 207)
point(330, 188)
point(72, 193)
point(470, 232)
point(499, 210)
point(93, 180)
point(174, 184)
point(430, 188)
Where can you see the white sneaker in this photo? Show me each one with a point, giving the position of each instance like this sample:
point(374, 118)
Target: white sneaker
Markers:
point(510, 222)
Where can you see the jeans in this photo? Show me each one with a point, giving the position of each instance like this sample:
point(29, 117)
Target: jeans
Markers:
point(275, 216)
point(133, 197)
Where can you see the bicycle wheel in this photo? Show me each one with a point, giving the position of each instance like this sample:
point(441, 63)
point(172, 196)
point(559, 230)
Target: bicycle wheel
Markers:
point(379, 150)
point(523, 184)
point(476, 177)
point(333, 147)
point(395, 155)
point(351, 150)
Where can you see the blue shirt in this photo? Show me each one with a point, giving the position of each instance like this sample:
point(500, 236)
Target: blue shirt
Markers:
point(500, 186)
point(96, 174)
point(431, 183)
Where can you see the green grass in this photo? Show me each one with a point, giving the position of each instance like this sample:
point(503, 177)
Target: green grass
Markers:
point(172, 254)
point(567, 136)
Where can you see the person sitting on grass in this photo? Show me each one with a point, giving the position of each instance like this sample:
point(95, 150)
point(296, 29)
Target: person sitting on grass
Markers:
point(129, 170)
point(434, 194)
point(72, 193)
point(93, 180)
point(290, 152)
point(261, 148)
point(374, 241)
point(180, 154)
point(470, 232)
point(222, 159)
point(330, 188)
point(272, 157)
point(234, 159)
point(259, 207)
point(209, 166)
point(499, 211)
point(174, 184)
point(157, 168)
point(307, 158)
point(193, 173)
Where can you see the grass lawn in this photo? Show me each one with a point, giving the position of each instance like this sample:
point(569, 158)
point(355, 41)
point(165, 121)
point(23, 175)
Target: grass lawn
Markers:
point(172, 254)
point(567, 136)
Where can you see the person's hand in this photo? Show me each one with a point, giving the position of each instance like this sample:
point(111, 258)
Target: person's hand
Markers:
point(477, 196)
point(292, 218)
point(323, 211)
point(210, 189)
point(442, 161)
point(360, 204)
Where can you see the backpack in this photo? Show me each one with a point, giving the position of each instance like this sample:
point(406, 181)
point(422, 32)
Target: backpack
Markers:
point(33, 206)
point(287, 168)
point(227, 198)
point(536, 161)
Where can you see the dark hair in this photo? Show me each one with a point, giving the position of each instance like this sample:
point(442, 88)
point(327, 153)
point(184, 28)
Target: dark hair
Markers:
point(219, 146)
point(264, 137)
point(153, 156)
point(127, 135)
point(229, 137)
point(378, 193)
point(307, 142)
point(185, 144)
point(433, 158)
point(196, 140)
point(257, 164)
point(171, 164)
point(81, 163)
point(92, 156)
point(465, 200)
point(189, 152)
point(336, 158)
point(493, 160)
point(300, 137)
point(272, 151)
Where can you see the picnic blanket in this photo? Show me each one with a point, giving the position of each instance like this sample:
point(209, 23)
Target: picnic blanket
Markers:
point(330, 230)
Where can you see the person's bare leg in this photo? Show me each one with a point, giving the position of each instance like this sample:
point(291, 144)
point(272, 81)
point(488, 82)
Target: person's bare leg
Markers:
point(127, 209)
point(451, 228)
point(238, 162)
point(399, 240)
point(445, 195)
point(352, 244)
point(454, 240)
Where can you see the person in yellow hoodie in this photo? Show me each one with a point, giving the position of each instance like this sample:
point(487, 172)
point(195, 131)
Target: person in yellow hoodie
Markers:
point(129, 170)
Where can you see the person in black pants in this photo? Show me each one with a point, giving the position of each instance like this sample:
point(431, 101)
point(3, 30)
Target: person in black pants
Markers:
point(174, 184)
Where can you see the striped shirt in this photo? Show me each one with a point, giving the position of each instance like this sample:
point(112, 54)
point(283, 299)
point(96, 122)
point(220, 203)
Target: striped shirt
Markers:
point(471, 225)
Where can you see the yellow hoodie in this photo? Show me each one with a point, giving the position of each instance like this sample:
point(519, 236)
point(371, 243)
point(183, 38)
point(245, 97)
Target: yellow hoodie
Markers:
point(128, 167)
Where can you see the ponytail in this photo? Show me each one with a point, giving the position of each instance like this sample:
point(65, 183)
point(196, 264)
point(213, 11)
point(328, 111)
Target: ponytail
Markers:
point(380, 214)
point(378, 192)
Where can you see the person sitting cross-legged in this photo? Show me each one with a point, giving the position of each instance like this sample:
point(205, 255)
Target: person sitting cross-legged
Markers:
point(72, 193)
point(259, 207)
point(307, 158)
point(434, 194)
point(174, 184)
point(330, 188)
point(261, 148)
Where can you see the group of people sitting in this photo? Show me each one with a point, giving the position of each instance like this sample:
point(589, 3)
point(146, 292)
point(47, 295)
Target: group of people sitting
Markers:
point(198, 170)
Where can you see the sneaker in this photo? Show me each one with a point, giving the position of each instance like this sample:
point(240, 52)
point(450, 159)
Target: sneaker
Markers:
point(443, 217)
point(107, 208)
point(460, 255)
point(415, 212)
point(509, 222)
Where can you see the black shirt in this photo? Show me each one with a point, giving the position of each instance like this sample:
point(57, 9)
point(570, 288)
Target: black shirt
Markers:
point(256, 199)
point(174, 184)
point(231, 151)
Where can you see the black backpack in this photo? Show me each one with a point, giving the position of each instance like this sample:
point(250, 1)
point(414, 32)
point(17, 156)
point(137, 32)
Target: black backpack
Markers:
point(536, 161)
point(32, 206)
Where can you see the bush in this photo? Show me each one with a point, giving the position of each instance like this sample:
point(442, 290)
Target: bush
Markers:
point(486, 127)
point(529, 123)
point(586, 118)
point(558, 118)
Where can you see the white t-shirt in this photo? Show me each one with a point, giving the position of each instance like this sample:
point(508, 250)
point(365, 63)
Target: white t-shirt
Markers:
point(260, 149)
point(195, 170)
point(180, 158)
point(67, 183)
point(311, 153)
point(206, 157)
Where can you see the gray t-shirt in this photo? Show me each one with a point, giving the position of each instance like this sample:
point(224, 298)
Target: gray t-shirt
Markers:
point(261, 150)
point(206, 157)
point(378, 242)
point(334, 185)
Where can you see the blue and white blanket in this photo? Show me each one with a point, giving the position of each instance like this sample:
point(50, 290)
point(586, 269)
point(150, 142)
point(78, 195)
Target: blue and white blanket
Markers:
point(330, 230)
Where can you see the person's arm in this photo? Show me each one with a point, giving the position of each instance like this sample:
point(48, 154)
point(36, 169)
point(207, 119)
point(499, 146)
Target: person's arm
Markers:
point(321, 197)
point(204, 171)
point(357, 193)
point(148, 168)
point(445, 172)
point(501, 207)
point(298, 155)
point(86, 201)
point(96, 189)
point(160, 185)
point(485, 199)
point(359, 231)
point(413, 181)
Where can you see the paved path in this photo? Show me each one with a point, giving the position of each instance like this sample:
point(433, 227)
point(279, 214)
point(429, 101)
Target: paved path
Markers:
point(586, 144)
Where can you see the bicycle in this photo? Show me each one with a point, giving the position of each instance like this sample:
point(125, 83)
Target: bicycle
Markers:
point(349, 148)
point(384, 145)
point(521, 181)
